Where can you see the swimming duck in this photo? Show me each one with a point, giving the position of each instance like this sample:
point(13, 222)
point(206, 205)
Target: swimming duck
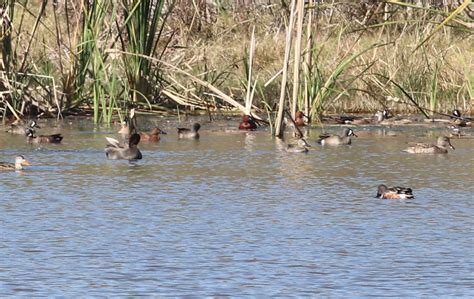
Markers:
point(21, 130)
point(301, 119)
point(115, 151)
point(441, 147)
point(385, 192)
point(154, 135)
point(125, 129)
point(300, 147)
point(129, 125)
point(248, 123)
point(54, 138)
point(185, 133)
point(385, 118)
point(382, 115)
point(458, 120)
point(336, 139)
point(18, 165)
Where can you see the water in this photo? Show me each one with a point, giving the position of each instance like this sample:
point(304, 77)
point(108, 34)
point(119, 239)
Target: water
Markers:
point(234, 214)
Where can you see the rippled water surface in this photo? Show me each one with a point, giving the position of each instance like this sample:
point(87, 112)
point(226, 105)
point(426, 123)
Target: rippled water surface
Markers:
point(234, 214)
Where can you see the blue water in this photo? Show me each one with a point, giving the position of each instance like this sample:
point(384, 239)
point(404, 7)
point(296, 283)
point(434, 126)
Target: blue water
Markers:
point(235, 215)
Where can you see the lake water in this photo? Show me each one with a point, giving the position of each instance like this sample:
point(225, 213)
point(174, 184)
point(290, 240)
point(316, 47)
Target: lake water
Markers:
point(233, 214)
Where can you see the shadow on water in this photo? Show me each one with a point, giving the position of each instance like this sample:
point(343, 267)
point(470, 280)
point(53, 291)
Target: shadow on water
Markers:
point(235, 214)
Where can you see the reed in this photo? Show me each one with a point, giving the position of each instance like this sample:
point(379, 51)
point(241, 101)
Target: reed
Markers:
point(144, 22)
point(353, 57)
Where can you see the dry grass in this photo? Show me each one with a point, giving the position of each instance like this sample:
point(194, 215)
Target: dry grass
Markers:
point(214, 46)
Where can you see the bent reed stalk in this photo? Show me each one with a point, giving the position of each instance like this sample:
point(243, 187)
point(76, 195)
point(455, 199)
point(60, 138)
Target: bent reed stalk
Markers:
point(350, 58)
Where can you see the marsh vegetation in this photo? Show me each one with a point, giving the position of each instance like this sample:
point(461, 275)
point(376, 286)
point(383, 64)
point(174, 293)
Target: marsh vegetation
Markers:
point(261, 57)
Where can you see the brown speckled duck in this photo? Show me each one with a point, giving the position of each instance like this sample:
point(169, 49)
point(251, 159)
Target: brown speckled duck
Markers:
point(441, 147)
point(18, 165)
point(301, 146)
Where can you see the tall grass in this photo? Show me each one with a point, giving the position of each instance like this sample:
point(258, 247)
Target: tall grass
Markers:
point(354, 57)
point(144, 22)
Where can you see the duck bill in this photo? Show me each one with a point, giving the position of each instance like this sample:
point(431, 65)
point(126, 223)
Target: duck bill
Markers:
point(163, 132)
point(25, 163)
point(451, 146)
point(354, 134)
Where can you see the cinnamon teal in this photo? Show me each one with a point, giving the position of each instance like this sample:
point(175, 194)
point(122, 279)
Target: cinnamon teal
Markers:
point(115, 151)
point(18, 165)
point(185, 133)
point(248, 123)
point(441, 147)
point(153, 136)
point(301, 119)
point(385, 192)
point(344, 139)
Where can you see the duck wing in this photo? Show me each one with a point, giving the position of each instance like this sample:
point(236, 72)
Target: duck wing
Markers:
point(54, 138)
point(6, 166)
point(183, 130)
point(401, 190)
point(112, 142)
point(422, 145)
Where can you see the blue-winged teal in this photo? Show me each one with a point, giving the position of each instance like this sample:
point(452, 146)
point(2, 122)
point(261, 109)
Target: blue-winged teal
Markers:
point(385, 192)
point(115, 151)
point(458, 120)
point(153, 136)
point(21, 130)
point(441, 147)
point(185, 133)
point(248, 123)
point(18, 165)
point(384, 117)
point(53, 138)
point(336, 139)
point(301, 146)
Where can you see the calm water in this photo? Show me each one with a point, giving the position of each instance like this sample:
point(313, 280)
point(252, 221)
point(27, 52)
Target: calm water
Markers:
point(234, 214)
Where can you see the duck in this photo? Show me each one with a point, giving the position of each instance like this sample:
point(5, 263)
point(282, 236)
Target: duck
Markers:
point(248, 123)
point(385, 192)
point(153, 136)
point(382, 115)
point(344, 139)
point(125, 129)
point(21, 130)
point(385, 118)
point(53, 138)
point(20, 161)
point(301, 146)
point(441, 147)
point(185, 133)
point(458, 120)
point(115, 151)
point(129, 125)
point(301, 119)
